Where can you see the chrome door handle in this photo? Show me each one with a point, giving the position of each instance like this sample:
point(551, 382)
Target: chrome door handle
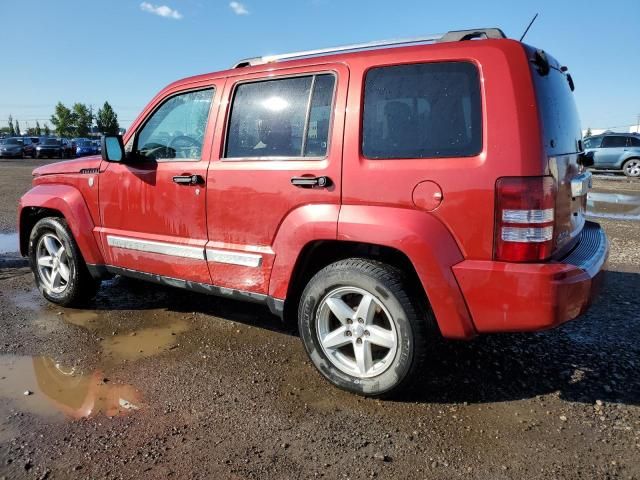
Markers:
point(188, 179)
point(310, 182)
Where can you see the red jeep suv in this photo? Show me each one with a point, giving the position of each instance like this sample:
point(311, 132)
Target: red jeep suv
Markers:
point(384, 194)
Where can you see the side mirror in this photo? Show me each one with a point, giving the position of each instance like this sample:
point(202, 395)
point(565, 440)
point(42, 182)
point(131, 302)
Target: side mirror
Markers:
point(112, 148)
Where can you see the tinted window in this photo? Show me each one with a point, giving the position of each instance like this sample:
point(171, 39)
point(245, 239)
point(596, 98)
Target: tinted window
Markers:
point(592, 142)
point(420, 111)
point(560, 122)
point(288, 117)
point(319, 116)
point(634, 141)
point(176, 129)
point(612, 142)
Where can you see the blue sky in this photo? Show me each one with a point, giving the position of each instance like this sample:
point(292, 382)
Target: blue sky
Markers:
point(124, 51)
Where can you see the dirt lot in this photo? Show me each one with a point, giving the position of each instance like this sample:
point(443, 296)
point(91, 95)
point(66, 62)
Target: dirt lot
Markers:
point(155, 382)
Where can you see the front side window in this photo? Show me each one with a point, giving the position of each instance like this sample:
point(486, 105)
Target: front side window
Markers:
point(422, 111)
point(614, 142)
point(287, 117)
point(592, 142)
point(176, 130)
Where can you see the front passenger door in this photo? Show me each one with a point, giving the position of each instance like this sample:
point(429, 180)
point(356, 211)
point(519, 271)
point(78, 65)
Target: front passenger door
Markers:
point(153, 205)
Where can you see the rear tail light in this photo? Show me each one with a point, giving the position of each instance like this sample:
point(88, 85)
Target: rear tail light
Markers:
point(524, 218)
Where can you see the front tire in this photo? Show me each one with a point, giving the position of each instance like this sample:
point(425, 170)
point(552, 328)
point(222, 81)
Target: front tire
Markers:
point(631, 167)
point(59, 270)
point(362, 328)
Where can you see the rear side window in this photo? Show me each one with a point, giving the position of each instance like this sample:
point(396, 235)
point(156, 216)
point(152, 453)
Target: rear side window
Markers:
point(422, 111)
point(634, 142)
point(613, 142)
point(287, 117)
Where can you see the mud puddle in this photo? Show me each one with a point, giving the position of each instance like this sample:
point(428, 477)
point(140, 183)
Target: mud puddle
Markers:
point(42, 386)
point(134, 343)
point(52, 389)
point(8, 243)
point(616, 206)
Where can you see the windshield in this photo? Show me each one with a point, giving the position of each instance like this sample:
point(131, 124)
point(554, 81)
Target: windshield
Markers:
point(13, 141)
point(84, 143)
point(51, 141)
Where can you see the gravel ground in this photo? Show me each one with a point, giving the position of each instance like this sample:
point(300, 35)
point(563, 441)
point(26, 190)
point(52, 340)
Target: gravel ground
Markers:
point(188, 386)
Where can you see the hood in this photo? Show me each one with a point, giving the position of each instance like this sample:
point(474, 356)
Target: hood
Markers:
point(68, 166)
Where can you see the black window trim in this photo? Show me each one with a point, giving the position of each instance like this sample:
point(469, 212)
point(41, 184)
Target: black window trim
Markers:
point(158, 106)
point(421, 62)
point(288, 158)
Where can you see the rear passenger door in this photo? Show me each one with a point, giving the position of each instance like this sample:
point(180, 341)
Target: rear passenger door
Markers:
point(612, 150)
point(280, 151)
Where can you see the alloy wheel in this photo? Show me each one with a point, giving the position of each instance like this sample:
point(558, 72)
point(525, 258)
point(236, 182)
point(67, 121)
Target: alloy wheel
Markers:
point(356, 332)
point(632, 168)
point(53, 263)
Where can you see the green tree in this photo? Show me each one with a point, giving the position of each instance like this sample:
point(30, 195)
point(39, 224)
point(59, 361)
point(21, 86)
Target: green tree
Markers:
point(63, 120)
point(12, 130)
point(38, 129)
point(47, 130)
point(17, 128)
point(83, 119)
point(588, 133)
point(107, 120)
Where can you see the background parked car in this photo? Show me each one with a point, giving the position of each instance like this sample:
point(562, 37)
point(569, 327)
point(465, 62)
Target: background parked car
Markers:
point(53, 148)
point(17, 147)
point(85, 147)
point(615, 151)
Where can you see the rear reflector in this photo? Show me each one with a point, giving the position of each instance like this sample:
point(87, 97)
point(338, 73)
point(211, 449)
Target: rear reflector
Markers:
point(524, 218)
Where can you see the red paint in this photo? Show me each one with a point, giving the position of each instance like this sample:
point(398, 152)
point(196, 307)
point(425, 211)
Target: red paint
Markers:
point(438, 212)
point(427, 196)
point(514, 297)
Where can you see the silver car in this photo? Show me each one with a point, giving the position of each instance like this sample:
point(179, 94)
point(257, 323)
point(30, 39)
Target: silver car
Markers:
point(615, 151)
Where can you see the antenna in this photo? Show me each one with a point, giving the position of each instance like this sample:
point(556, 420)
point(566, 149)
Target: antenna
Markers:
point(529, 26)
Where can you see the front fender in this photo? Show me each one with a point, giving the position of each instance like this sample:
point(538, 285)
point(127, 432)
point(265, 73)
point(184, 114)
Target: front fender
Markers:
point(429, 246)
point(69, 202)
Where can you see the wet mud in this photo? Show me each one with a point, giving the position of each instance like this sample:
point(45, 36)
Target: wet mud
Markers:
point(155, 382)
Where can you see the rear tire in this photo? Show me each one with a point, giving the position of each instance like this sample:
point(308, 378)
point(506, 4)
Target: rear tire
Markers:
point(59, 270)
point(362, 327)
point(631, 167)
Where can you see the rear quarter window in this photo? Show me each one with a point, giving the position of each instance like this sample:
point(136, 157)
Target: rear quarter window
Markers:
point(424, 110)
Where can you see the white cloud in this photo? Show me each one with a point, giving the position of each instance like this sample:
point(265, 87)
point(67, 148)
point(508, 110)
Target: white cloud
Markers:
point(161, 10)
point(238, 8)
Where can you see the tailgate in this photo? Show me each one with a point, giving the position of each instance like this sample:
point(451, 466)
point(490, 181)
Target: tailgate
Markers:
point(562, 139)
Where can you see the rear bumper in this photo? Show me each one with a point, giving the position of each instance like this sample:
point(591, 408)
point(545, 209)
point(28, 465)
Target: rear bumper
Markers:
point(518, 297)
